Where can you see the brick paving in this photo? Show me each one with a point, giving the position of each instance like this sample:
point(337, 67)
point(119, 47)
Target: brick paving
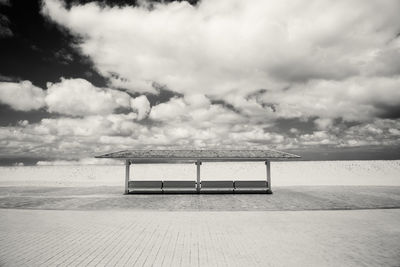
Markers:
point(296, 226)
point(199, 238)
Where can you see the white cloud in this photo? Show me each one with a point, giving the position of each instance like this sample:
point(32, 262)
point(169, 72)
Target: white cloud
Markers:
point(22, 96)
point(353, 99)
point(315, 59)
point(169, 111)
point(141, 105)
point(79, 97)
point(224, 45)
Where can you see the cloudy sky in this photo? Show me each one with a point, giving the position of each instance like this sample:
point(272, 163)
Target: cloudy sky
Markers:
point(317, 78)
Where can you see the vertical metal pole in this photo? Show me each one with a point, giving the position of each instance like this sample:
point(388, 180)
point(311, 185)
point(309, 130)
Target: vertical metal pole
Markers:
point(268, 166)
point(198, 163)
point(127, 167)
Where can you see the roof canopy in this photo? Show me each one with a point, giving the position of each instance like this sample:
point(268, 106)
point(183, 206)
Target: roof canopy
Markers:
point(199, 155)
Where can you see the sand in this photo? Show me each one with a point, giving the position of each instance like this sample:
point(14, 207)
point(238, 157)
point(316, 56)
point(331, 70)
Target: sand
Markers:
point(302, 173)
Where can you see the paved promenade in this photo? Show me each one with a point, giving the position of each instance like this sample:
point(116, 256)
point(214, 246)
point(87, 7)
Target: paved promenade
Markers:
point(134, 238)
point(296, 226)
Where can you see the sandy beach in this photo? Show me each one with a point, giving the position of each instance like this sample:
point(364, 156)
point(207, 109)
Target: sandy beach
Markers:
point(61, 220)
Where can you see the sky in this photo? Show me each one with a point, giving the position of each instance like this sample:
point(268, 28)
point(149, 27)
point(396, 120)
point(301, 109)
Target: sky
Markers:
point(317, 78)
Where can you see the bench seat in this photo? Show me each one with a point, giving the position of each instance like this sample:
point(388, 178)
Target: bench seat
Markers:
point(179, 186)
point(145, 186)
point(251, 186)
point(217, 186)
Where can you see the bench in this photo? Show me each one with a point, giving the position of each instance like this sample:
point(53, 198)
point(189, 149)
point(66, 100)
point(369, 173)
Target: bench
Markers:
point(179, 186)
point(217, 186)
point(251, 186)
point(145, 186)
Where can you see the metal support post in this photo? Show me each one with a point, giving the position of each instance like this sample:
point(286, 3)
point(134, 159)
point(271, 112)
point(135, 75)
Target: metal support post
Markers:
point(268, 166)
point(127, 167)
point(198, 163)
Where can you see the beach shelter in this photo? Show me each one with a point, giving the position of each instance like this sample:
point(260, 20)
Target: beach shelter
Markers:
point(197, 157)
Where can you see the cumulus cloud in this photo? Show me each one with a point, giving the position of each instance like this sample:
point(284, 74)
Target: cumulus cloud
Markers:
point(76, 97)
point(141, 105)
point(72, 138)
point(80, 97)
point(223, 45)
point(266, 59)
point(353, 99)
point(171, 110)
point(22, 96)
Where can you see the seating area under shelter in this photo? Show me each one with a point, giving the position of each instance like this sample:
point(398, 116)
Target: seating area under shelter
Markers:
point(198, 185)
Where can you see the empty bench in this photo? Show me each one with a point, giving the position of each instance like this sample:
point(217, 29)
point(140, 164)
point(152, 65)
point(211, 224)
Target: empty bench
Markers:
point(145, 186)
point(179, 186)
point(251, 186)
point(161, 186)
point(190, 186)
point(216, 186)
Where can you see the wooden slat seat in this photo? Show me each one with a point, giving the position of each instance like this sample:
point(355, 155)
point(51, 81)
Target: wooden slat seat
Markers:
point(222, 186)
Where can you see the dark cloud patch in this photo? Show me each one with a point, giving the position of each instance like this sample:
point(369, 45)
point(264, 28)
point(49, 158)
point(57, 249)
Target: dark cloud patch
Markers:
point(163, 95)
point(11, 117)
point(123, 3)
point(4, 78)
point(257, 94)
point(39, 50)
point(341, 123)
point(10, 161)
point(5, 31)
point(285, 126)
point(305, 70)
point(389, 111)
point(225, 104)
